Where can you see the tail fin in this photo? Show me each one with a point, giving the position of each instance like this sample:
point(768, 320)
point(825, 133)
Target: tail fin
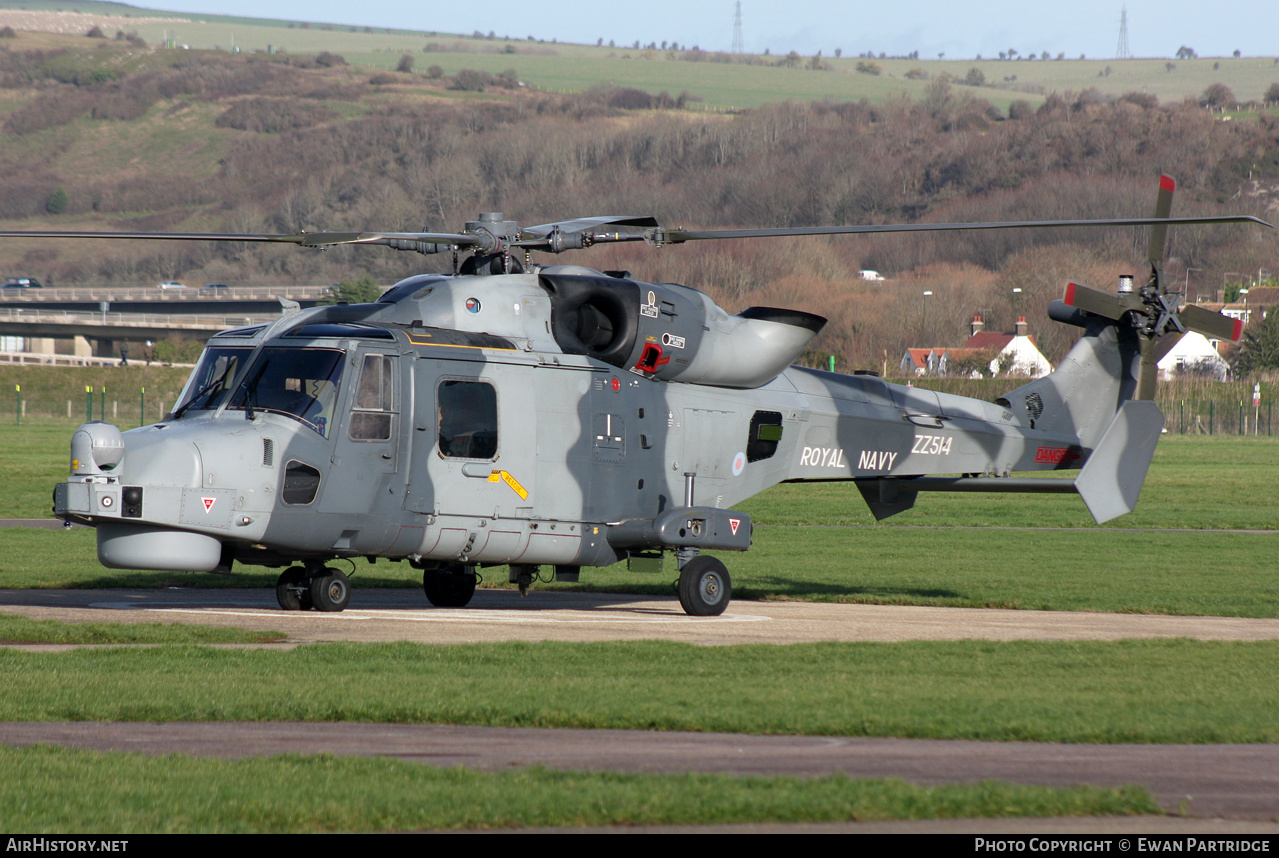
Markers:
point(1111, 478)
point(1084, 393)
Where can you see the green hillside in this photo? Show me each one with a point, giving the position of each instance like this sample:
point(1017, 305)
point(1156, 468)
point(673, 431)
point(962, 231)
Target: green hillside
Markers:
point(719, 80)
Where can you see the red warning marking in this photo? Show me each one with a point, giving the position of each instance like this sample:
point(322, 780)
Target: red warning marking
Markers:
point(1166, 183)
point(1237, 332)
point(1070, 294)
point(208, 504)
point(734, 523)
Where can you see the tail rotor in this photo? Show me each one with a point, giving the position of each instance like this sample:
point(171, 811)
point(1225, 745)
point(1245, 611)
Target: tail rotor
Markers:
point(1153, 311)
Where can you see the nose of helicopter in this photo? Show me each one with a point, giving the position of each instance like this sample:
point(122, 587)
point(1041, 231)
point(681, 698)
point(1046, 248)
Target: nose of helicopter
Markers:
point(143, 494)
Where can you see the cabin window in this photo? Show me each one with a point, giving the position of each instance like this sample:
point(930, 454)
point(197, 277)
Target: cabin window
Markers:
point(374, 406)
point(765, 435)
point(467, 419)
point(301, 483)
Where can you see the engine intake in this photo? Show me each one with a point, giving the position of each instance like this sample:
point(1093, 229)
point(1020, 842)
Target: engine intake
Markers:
point(672, 332)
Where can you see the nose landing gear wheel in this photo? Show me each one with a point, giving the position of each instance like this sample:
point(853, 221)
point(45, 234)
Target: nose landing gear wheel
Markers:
point(330, 591)
point(704, 587)
point(449, 586)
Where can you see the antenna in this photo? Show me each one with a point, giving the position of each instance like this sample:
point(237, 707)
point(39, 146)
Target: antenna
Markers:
point(738, 47)
point(1121, 51)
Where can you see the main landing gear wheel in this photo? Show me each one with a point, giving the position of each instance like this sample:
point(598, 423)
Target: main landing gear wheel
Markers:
point(704, 587)
point(449, 586)
point(330, 591)
point(292, 590)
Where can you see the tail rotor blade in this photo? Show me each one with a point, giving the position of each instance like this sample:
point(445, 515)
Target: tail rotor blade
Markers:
point(1159, 231)
point(1212, 325)
point(1108, 305)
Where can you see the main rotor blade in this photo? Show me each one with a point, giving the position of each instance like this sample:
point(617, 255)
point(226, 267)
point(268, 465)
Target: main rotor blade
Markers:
point(662, 236)
point(583, 232)
point(587, 224)
point(1212, 325)
point(303, 239)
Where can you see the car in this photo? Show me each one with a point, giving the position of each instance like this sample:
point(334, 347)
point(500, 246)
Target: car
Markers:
point(21, 283)
point(173, 284)
point(215, 287)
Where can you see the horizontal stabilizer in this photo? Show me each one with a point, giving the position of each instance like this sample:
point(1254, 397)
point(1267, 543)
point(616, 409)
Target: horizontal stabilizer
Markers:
point(1111, 478)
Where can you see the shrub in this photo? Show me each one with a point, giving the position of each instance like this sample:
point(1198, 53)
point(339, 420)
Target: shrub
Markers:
point(469, 80)
point(58, 202)
point(273, 115)
point(1217, 95)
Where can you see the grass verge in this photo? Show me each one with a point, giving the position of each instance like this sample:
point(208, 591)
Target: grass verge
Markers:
point(50, 790)
point(16, 629)
point(1148, 691)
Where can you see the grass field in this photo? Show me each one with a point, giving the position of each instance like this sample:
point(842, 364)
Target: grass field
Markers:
point(570, 67)
point(818, 542)
point(1093, 692)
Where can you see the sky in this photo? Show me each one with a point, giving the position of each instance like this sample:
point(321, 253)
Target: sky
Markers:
point(957, 29)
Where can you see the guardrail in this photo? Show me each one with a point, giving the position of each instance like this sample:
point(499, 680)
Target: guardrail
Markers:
point(152, 293)
point(39, 359)
point(128, 320)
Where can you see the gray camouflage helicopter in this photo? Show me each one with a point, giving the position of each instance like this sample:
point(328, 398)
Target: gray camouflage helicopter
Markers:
point(519, 415)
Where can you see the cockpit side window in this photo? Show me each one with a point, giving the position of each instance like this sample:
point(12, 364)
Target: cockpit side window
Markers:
point(374, 406)
point(467, 419)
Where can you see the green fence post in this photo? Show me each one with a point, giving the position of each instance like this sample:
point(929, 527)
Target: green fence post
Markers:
point(142, 411)
point(17, 400)
point(832, 363)
point(1211, 413)
point(102, 404)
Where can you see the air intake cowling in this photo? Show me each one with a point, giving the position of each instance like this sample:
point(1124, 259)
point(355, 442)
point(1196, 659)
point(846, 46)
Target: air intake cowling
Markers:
point(672, 332)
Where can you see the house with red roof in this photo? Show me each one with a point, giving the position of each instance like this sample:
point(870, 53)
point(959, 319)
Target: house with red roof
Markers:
point(1013, 354)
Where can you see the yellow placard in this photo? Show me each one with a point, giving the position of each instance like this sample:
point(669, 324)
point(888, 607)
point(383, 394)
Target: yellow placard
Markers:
point(505, 477)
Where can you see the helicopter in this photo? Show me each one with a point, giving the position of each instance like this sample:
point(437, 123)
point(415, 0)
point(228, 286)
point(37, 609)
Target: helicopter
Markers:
point(522, 415)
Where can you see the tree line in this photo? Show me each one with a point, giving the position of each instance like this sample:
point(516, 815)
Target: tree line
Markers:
point(298, 160)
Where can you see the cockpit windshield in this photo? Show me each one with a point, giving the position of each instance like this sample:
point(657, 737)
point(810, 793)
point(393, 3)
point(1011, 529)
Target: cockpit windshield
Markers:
point(299, 382)
point(210, 382)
